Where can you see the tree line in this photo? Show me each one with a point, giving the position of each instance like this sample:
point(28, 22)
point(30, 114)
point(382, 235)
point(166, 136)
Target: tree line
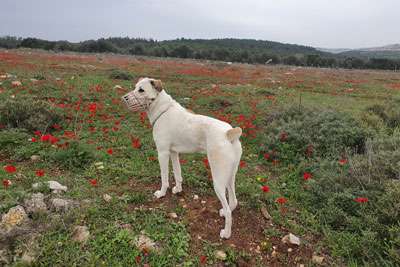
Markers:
point(230, 50)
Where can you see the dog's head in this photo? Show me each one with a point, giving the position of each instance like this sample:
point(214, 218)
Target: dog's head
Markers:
point(145, 92)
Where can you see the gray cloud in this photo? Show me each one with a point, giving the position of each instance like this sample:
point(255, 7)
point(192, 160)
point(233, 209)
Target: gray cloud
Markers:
point(324, 23)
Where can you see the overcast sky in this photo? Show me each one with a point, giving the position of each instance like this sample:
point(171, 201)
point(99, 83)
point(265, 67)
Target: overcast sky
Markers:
point(321, 23)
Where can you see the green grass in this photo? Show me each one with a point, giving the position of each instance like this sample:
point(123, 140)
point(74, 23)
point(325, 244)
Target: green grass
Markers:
point(321, 211)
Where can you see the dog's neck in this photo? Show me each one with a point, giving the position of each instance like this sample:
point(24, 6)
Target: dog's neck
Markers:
point(162, 103)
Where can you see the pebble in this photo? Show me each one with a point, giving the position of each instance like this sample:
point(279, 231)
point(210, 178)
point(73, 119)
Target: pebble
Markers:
point(107, 197)
point(220, 255)
point(80, 234)
point(172, 215)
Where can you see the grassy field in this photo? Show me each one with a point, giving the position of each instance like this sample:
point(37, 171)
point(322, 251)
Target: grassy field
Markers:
point(321, 154)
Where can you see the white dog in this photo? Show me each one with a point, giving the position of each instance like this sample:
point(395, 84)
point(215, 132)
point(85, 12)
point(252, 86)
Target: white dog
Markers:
point(176, 130)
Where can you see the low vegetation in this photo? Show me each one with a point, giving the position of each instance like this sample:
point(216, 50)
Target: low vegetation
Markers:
point(321, 161)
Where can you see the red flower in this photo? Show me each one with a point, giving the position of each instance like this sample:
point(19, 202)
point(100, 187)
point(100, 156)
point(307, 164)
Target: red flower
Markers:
point(206, 163)
point(267, 156)
point(33, 140)
point(203, 259)
point(39, 173)
point(92, 107)
point(93, 182)
point(307, 176)
point(6, 183)
point(53, 139)
point(135, 143)
point(110, 151)
point(152, 158)
point(182, 161)
point(283, 136)
point(342, 161)
point(242, 164)
point(10, 169)
point(138, 259)
point(38, 133)
point(265, 188)
point(281, 200)
point(45, 138)
point(361, 200)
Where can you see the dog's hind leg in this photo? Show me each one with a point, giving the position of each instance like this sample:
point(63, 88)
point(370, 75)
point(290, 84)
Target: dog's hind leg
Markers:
point(221, 177)
point(163, 159)
point(176, 166)
point(231, 193)
point(220, 191)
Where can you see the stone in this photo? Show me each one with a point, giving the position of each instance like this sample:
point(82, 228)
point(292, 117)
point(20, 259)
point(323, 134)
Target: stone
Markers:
point(107, 197)
point(117, 86)
point(80, 234)
point(317, 259)
point(55, 186)
point(220, 255)
point(35, 157)
point(14, 217)
point(291, 239)
point(59, 204)
point(265, 213)
point(172, 215)
point(195, 197)
point(35, 204)
point(16, 83)
point(143, 242)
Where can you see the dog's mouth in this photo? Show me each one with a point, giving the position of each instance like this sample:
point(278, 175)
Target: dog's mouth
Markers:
point(134, 103)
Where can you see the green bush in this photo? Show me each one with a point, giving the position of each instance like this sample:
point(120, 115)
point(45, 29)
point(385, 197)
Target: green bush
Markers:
point(292, 134)
point(389, 113)
point(76, 155)
point(120, 75)
point(27, 113)
point(381, 160)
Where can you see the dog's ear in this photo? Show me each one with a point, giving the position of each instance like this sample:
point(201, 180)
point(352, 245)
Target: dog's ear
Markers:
point(157, 84)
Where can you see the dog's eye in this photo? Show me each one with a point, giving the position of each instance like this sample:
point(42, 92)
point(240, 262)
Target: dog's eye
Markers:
point(141, 90)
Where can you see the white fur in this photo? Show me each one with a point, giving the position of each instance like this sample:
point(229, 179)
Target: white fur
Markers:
point(178, 131)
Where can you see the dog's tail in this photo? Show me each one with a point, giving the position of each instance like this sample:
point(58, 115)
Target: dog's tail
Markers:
point(234, 134)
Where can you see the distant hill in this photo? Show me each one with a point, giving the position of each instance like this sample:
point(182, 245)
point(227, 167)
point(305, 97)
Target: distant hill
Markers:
point(227, 49)
point(388, 52)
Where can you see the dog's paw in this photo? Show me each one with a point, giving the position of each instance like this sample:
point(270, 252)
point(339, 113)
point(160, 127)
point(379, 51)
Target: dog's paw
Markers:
point(221, 213)
point(159, 194)
point(225, 234)
point(176, 189)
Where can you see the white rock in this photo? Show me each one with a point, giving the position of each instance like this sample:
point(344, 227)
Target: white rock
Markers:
point(220, 255)
point(80, 234)
point(172, 215)
point(16, 83)
point(265, 213)
point(35, 157)
point(118, 86)
point(317, 259)
point(35, 204)
point(144, 242)
point(292, 239)
point(53, 185)
point(14, 217)
point(195, 197)
point(107, 197)
point(59, 204)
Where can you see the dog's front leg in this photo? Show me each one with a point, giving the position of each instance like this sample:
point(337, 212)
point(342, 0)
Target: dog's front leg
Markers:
point(163, 159)
point(176, 166)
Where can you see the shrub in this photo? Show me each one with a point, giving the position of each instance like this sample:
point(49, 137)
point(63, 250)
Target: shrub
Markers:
point(293, 134)
point(120, 75)
point(76, 155)
point(29, 114)
point(389, 113)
